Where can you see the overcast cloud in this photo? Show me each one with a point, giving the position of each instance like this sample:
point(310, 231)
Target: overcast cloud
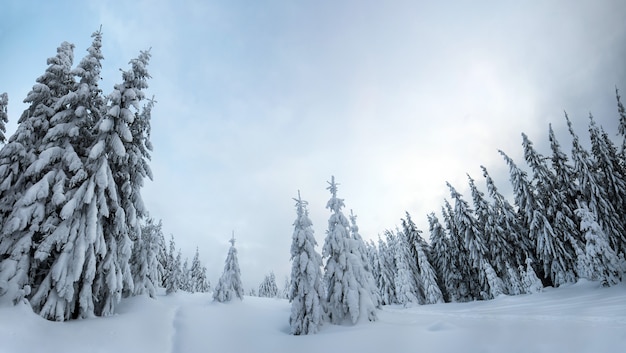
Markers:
point(257, 100)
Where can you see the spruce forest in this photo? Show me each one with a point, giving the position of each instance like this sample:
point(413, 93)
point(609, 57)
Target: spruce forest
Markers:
point(76, 236)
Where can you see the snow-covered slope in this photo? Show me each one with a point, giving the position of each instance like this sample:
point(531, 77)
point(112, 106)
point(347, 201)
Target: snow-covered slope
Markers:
point(577, 318)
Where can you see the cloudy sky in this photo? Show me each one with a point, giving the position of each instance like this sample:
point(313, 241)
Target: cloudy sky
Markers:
point(260, 99)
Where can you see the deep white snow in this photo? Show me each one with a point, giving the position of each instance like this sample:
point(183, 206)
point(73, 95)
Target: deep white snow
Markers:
point(583, 317)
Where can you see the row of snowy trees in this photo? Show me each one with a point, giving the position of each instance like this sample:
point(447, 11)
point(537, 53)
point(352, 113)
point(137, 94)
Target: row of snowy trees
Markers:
point(567, 222)
point(178, 275)
point(346, 292)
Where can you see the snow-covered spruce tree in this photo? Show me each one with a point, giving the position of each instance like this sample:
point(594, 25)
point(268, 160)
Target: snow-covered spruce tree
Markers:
point(118, 206)
point(4, 117)
point(387, 264)
point(365, 276)
point(144, 263)
point(348, 294)
point(408, 236)
point(593, 193)
point(173, 272)
point(557, 211)
point(229, 285)
point(517, 245)
point(602, 261)
point(550, 250)
point(611, 177)
point(185, 283)
point(474, 242)
point(507, 242)
point(22, 214)
point(405, 280)
point(447, 274)
point(428, 281)
point(268, 287)
point(464, 284)
point(203, 281)
point(199, 282)
point(64, 288)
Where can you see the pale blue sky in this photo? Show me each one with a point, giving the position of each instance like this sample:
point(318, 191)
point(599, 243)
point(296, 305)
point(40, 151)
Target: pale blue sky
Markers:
point(259, 99)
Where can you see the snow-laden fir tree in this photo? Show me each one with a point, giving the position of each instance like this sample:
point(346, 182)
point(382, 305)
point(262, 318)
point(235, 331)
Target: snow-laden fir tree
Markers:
point(348, 293)
point(199, 282)
point(428, 286)
point(482, 282)
point(558, 213)
point(22, 212)
point(447, 273)
point(593, 193)
point(602, 262)
point(145, 266)
point(359, 249)
point(494, 265)
point(229, 285)
point(611, 176)
point(185, 283)
point(387, 265)
point(405, 280)
point(268, 287)
point(306, 291)
point(173, 272)
point(464, 280)
point(505, 241)
point(4, 117)
point(550, 250)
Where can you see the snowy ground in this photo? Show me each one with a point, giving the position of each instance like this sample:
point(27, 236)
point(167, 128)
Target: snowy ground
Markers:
point(577, 318)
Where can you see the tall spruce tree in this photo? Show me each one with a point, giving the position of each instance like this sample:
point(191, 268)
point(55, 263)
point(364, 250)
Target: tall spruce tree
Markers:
point(144, 261)
point(447, 273)
point(405, 280)
point(306, 292)
point(601, 261)
point(464, 284)
point(173, 272)
point(387, 264)
point(559, 214)
point(24, 199)
point(428, 284)
point(364, 277)
point(199, 282)
point(593, 193)
point(506, 242)
point(611, 177)
point(485, 283)
point(550, 250)
point(229, 285)
point(348, 293)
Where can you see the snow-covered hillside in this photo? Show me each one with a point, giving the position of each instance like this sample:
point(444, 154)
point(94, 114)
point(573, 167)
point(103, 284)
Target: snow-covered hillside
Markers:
point(576, 318)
